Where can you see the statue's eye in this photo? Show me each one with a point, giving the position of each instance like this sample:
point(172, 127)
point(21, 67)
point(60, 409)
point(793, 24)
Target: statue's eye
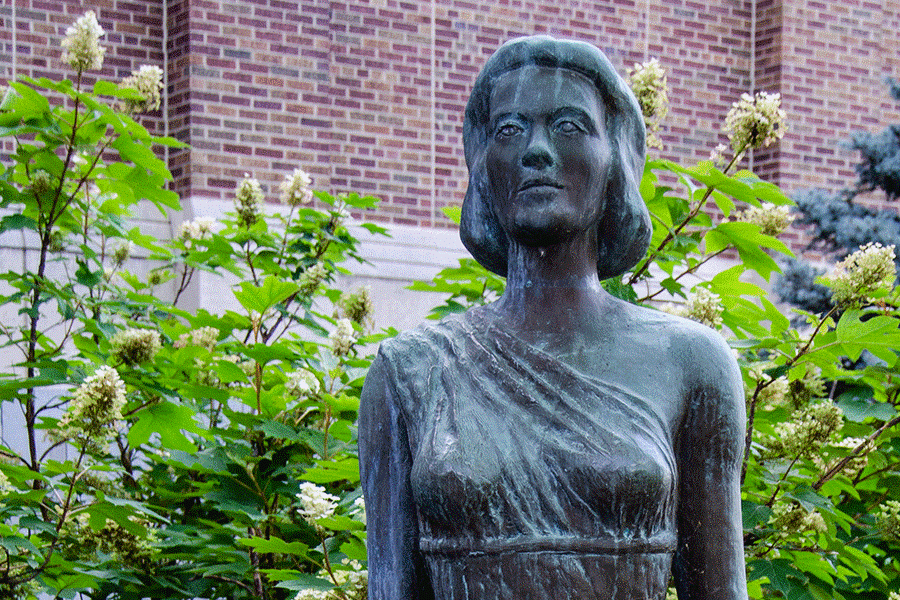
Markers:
point(506, 130)
point(567, 126)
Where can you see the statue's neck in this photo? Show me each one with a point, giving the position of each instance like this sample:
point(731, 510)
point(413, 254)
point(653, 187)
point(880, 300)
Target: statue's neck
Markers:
point(553, 288)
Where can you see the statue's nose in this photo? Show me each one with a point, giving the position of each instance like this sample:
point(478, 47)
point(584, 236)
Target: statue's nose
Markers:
point(539, 153)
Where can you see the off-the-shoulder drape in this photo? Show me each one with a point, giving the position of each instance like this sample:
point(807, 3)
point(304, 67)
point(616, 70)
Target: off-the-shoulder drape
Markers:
point(493, 471)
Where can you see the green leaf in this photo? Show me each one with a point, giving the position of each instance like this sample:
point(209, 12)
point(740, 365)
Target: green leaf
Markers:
point(168, 420)
point(280, 430)
point(880, 335)
point(331, 471)
point(783, 577)
point(749, 242)
point(355, 549)
point(754, 514)
point(15, 222)
point(142, 156)
point(454, 213)
point(86, 277)
point(29, 101)
point(857, 404)
point(260, 299)
point(340, 523)
point(617, 288)
point(809, 499)
point(305, 581)
point(860, 562)
point(813, 564)
point(275, 545)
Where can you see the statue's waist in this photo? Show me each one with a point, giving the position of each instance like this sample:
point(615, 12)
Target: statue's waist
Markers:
point(661, 543)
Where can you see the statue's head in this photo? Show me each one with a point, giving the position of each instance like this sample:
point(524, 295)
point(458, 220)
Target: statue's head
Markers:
point(623, 226)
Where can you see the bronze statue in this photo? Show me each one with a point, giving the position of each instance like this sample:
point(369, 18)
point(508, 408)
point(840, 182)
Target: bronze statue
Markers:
point(558, 444)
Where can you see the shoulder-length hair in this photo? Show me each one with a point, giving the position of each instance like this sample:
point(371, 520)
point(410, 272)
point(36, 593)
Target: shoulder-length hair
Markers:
point(624, 228)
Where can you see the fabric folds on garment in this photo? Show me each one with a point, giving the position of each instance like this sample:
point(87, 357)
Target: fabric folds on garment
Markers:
point(530, 478)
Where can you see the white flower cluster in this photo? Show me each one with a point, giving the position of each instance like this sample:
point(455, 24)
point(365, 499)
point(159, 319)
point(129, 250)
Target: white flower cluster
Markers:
point(81, 46)
point(771, 219)
point(156, 277)
point(302, 384)
point(41, 181)
point(316, 503)
point(870, 271)
point(313, 594)
point(147, 81)
point(887, 519)
point(357, 306)
point(793, 518)
point(855, 464)
point(247, 201)
point(247, 367)
point(703, 307)
point(343, 337)
point(650, 87)
point(121, 253)
point(196, 229)
point(359, 510)
point(122, 544)
point(776, 392)
point(312, 277)
point(894, 596)
point(6, 487)
point(807, 432)
point(808, 387)
point(133, 346)
point(755, 121)
point(295, 188)
point(717, 155)
point(350, 576)
point(95, 409)
point(205, 337)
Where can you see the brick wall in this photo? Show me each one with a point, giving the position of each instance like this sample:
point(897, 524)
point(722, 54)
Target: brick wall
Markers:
point(368, 94)
point(829, 60)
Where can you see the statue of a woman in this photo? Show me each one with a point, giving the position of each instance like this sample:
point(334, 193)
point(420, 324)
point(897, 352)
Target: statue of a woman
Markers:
point(558, 444)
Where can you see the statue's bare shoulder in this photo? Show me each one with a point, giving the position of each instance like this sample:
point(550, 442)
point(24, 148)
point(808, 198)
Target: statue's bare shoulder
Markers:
point(677, 353)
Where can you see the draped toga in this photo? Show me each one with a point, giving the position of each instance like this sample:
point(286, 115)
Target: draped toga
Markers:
point(511, 475)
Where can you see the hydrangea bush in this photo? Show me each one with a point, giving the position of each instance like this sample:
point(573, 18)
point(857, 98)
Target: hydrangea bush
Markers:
point(177, 454)
point(170, 454)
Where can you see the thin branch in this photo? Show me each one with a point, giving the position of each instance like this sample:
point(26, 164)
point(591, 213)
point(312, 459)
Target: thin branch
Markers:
point(240, 584)
point(687, 272)
point(748, 440)
point(673, 233)
point(837, 468)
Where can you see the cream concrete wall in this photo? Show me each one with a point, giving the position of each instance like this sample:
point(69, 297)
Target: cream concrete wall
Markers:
point(409, 254)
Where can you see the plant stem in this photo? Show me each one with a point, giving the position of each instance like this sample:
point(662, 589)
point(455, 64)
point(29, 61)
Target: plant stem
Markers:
point(856, 451)
point(751, 416)
point(673, 233)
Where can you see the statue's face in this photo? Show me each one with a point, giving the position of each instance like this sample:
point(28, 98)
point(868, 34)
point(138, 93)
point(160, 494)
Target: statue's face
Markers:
point(548, 154)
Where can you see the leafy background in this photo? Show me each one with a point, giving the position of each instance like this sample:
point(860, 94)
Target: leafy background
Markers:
point(189, 454)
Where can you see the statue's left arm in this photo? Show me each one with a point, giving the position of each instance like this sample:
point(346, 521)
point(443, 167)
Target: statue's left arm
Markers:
point(396, 567)
point(709, 561)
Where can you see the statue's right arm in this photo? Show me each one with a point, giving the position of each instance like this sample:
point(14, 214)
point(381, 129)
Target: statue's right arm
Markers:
point(397, 570)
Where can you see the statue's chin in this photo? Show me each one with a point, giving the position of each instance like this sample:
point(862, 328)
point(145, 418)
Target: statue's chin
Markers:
point(536, 235)
point(546, 217)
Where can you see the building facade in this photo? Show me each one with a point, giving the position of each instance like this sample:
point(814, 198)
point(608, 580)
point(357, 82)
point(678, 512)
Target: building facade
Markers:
point(368, 95)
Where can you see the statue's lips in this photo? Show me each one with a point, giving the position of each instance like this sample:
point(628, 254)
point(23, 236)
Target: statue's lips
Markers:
point(538, 184)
